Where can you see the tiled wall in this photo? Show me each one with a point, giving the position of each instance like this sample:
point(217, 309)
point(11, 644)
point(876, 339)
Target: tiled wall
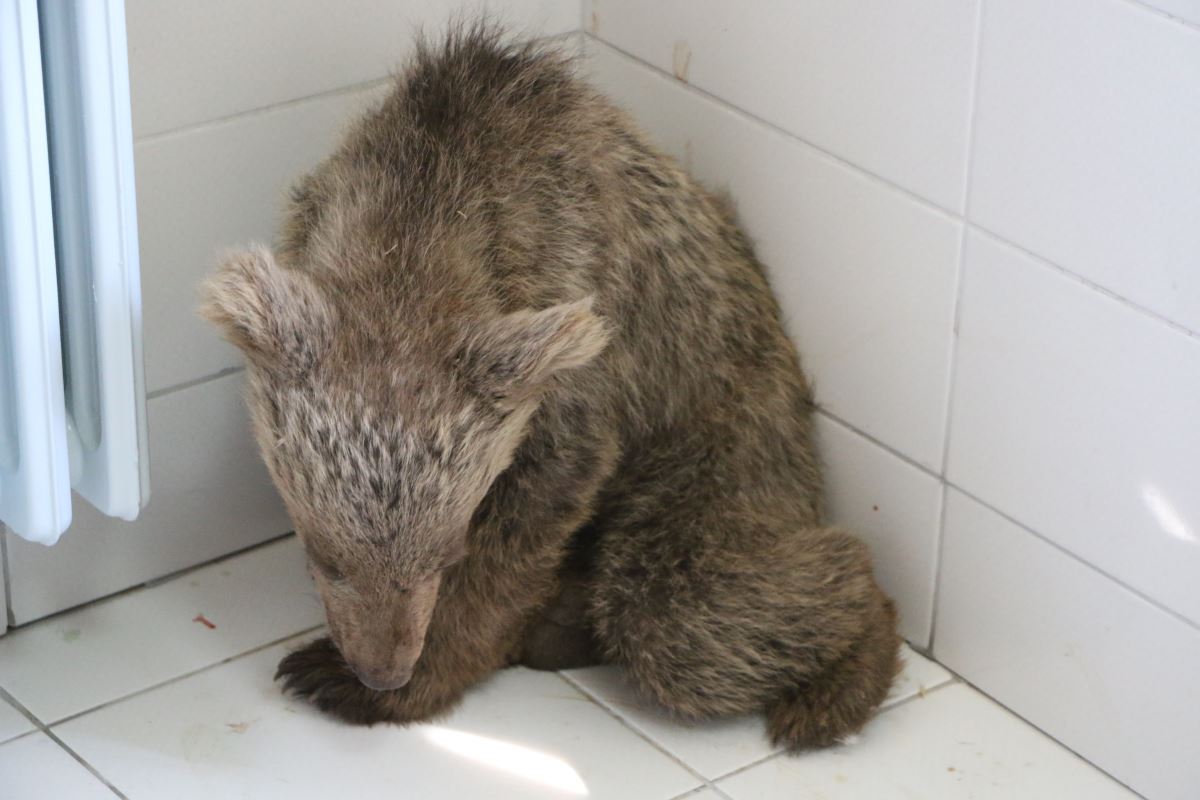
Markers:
point(231, 102)
point(983, 220)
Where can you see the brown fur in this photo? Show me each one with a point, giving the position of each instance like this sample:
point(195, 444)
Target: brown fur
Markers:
point(524, 388)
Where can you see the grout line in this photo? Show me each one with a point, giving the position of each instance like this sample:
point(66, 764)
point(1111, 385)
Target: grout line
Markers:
point(6, 696)
point(636, 731)
point(1076, 558)
point(184, 676)
point(54, 738)
point(960, 680)
point(1167, 15)
point(208, 124)
point(249, 113)
point(883, 710)
point(936, 574)
point(960, 279)
point(1077, 278)
point(707, 787)
point(153, 581)
point(948, 485)
point(9, 617)
point(756, 762)
point(22, 734)
point(921, 650)
point(179, 387)
point(967, 226)
point(832, 417)
point(972, 108)
point(218, 560)
point(711, 783)
point(558, 38)
point(44, 729)
point(879, 180)
point(915, 696)
point(928, 204)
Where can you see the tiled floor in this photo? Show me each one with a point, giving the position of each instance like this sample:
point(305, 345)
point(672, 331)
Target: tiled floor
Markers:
point(139, 697)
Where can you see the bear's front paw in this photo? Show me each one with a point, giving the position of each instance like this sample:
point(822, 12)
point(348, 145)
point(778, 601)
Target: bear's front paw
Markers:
point(318, 673)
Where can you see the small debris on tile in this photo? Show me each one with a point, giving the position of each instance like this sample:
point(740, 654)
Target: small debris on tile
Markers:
point(240, 727)
point(874, 508)
point(921, 691)
point(681, 58)
point(70, 635)
point(205, 621)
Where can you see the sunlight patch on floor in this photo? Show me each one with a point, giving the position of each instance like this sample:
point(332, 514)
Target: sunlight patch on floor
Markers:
point(524, 762)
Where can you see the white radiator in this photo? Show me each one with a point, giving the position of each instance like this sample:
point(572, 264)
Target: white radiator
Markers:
point(72, 396)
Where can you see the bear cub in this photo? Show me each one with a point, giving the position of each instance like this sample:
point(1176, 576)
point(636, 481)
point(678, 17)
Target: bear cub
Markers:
point(524, 389)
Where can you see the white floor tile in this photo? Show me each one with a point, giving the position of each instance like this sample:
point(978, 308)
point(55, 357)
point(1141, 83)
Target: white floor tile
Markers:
point(73, 662)
point(953, 744)
point(718, 747)
point(34, 767)
point(229, 732)
point(12, 722)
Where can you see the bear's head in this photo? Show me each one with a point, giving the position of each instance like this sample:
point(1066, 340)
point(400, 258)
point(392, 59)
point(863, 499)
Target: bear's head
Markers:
point(384, 434)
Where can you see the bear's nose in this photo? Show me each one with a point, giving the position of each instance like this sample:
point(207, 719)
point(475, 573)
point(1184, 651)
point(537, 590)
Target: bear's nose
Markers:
point(383, 679)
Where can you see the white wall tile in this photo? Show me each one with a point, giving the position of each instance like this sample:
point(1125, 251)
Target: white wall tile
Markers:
point(955, 743)
point(35, 767)
point(1113, 677)
point(865, 274)
point(883, 84)
point(1086, 138)
point(895, 508)
point(205, 191)
point(193, 62)
point(210, 495)
point(1188, 10)
point(1076, 415)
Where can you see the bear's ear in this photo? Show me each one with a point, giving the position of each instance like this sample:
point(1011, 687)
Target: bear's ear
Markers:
point(278, 317)
point(515, 354)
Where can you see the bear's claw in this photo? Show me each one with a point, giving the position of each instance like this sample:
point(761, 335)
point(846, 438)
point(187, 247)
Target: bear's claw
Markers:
point(318, 673)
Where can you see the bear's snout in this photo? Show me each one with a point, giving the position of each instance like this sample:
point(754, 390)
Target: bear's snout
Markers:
point(382, 680)
point(381, 638)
